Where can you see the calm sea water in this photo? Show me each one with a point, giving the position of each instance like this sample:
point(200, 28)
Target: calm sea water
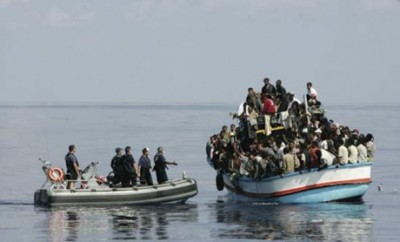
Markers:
point(30, 132)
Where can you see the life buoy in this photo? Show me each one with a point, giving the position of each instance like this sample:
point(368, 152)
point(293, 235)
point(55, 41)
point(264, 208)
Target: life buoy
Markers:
point(219, 180)
point(55, 174)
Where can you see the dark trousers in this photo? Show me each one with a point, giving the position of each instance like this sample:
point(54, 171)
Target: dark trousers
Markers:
point(162, 176)
point(129, 180)
point(145, 177)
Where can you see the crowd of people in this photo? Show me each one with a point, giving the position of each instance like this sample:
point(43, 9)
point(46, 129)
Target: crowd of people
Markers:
point(125, 171)
point(279, 134)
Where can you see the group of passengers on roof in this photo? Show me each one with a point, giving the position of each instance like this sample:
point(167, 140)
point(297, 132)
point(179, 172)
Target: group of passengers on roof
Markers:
point(278, 134)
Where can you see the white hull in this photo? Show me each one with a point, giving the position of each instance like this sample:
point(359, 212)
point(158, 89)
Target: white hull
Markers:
point(330, 184)
point(173, 191)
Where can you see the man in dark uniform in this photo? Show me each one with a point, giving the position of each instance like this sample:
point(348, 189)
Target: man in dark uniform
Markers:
point(128, 162)
point(72, 166)
point(161, 166)
point(144, 168)
point(116, 165)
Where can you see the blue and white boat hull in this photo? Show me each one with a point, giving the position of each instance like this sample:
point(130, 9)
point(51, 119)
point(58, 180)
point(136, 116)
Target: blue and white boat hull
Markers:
point(331, 184)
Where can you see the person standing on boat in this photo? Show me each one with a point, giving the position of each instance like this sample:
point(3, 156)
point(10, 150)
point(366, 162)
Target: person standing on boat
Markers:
point(161, 165)
point(284, 100)
point(268, 88)
point(72, 166)
point(128, 162)
point(117, 167)
point(144, 168)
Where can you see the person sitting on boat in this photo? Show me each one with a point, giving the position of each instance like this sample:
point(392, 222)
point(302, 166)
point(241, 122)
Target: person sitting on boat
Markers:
point(369, 139)
point(362, 150)
point(117, 166)
point(225, 134)
point(130, 172)
point(292, 100)
point(353, 152)
point(343, 153)
point(254, 100)
point(144, 168)
point(288, 161)
point(161, 165)
point(72, 166)
point(311, 92)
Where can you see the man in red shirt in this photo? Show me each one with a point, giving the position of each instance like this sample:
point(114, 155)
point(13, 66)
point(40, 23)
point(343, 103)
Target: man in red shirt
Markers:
point(269, 106)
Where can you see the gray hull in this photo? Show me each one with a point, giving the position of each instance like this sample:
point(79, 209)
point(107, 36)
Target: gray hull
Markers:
point(173, 191)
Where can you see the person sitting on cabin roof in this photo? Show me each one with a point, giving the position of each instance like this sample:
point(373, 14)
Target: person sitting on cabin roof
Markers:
point(254, 100)
point(292, 100)
point(311, 92)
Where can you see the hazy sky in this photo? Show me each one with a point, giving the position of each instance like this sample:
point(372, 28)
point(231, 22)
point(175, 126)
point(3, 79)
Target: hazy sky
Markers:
point(197, 50)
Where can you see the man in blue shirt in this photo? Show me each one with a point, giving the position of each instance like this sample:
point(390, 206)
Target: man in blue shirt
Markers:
point(72, 166)
point(144, 168)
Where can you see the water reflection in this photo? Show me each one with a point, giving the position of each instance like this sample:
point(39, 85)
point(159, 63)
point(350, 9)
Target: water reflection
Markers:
point(317, 222)
point(122, 223)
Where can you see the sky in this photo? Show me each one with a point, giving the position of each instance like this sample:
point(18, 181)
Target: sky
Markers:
point(197, 51)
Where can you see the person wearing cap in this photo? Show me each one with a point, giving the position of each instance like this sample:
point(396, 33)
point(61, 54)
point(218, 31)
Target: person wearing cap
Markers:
point(116, 165)
point(144, 168)
point(161, 166)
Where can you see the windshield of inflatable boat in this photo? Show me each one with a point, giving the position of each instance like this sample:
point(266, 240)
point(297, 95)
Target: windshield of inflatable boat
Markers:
point(90, 171)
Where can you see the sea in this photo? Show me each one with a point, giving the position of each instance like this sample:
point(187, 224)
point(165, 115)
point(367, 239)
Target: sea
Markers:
point(30, 132)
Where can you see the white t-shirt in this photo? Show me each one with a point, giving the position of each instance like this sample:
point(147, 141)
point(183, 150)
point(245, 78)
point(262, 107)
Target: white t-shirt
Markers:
point(343, 155)
point(313, 92)
point(371, 150)
point(353, 154)
point(323, 145)
point(362, 153)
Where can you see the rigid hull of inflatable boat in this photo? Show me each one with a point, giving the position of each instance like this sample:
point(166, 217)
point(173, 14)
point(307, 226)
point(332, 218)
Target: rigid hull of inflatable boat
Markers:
point(330, 184)
point(175, 191)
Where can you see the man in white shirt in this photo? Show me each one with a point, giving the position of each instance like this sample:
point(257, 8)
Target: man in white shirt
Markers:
point(362, 150)
point(311, 91)
point(353, 152)
point(343, 154)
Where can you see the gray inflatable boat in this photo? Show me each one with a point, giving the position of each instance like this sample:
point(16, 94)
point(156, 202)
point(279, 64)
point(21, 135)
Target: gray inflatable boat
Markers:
point(97, 191)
